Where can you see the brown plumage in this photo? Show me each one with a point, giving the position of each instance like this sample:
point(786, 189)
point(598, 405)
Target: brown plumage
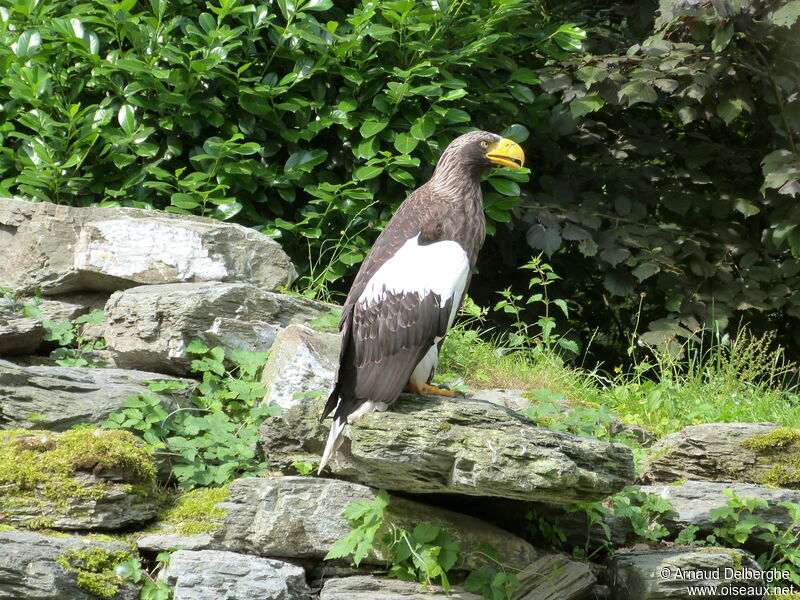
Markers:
point(408, 289)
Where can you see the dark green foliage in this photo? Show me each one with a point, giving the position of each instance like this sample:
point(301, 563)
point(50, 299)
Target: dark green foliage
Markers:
point(669, 172)
point(310, 120)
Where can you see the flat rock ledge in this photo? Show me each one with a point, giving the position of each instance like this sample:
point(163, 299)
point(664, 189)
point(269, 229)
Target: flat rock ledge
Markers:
point(462, 446)
point(760, 453)
point(368, 587)
point(300, 517)
point(29, 571)
point(56, 398)
point(218, 575)
point(661, 574)
point(59, 249)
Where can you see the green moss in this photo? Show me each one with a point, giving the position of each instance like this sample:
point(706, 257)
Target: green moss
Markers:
point(94, 569)
point(196, 511)
point(779, 438)
point(37, 466)
point(779, 449)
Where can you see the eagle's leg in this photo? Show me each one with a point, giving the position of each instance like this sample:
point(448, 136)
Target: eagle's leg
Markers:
point(429, 390)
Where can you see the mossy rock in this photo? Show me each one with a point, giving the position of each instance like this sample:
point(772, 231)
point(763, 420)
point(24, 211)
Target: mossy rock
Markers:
point(81, 479)
point(38, 566)
point(760, 453)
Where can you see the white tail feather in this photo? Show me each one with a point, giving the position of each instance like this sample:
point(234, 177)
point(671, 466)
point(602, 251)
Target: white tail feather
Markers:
point(334, 439)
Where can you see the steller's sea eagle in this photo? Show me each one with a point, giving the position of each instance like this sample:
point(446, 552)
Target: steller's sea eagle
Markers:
point(411, 284)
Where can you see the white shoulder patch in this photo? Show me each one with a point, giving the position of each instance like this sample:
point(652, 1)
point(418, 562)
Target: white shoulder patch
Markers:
point(441, 268)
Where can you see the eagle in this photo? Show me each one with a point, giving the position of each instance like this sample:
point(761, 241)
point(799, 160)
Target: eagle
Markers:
point(410, 286)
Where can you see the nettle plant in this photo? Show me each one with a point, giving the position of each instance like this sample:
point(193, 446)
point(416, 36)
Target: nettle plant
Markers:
point(427, 554)
point(212, 441)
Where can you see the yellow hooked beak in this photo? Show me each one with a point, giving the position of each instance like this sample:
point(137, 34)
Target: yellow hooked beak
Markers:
point(506, 153)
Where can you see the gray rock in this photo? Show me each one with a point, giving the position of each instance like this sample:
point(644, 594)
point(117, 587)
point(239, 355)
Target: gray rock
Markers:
point(218, 575)
point(160, 542)
point(463, 446)
point(368, 587)
point(718, 452)
point(692, 502)
point(149, 327)
point(60, 249)
point(301, 361)
point(56, 398)
point(556, 577)
point(300, 517)
point(29, 571)
point(660, 574)
point(20, 336)
point(67, 307)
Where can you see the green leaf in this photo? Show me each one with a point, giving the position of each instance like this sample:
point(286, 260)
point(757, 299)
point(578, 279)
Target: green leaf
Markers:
point(316, 5)
point(305, 160)
point(371, 128)
point(423, 128)
point(722, 37)
point(404, 143)
point(729, 109)
point(523, 93)
point(367, 172)
point(638, 91)
point(425, 533)
point(504, 186)
point(585, 105)
point(27, 44)
point(747, 208)
point(126, 119)
point(787, 15)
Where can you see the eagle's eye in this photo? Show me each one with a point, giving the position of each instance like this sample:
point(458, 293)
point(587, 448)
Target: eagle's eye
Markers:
point(484, 144)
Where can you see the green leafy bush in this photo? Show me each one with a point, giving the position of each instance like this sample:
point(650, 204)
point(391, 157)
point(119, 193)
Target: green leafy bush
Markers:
point(308, 119)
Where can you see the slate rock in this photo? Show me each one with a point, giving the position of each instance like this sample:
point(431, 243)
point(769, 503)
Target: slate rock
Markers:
point(301, 362)
point(300, 517)
point(660, 574)
point(149, 327)
point(60, 249)
point(692, 502)
point(219, 575)
point(57, 398)
point(462, 446)
point(556, 577)
point(718, 452)
point(67, 307)
point(19, 336)
point(29, 571)
point(369, 587)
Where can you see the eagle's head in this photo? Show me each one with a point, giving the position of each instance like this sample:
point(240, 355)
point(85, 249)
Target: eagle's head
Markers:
point(477, 151)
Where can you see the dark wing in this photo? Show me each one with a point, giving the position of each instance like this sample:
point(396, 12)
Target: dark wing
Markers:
point(382, 342)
